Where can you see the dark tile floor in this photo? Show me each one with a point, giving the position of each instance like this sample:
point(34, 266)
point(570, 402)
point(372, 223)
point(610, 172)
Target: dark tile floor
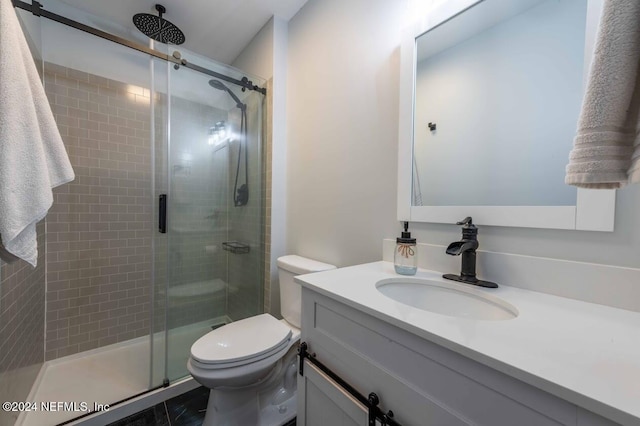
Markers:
point(184, 410)
point(188, 409)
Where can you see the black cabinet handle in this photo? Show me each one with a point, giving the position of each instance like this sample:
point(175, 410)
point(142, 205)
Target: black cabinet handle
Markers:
point(373, 409)
point(162, 214)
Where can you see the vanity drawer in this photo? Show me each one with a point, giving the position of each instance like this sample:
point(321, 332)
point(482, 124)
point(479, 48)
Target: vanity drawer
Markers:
point(422, 382)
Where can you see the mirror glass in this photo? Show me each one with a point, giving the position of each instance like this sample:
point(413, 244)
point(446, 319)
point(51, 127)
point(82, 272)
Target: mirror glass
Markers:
point(498, 91)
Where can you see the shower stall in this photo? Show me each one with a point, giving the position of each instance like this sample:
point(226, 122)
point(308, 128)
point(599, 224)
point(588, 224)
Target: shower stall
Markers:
point(160, 237)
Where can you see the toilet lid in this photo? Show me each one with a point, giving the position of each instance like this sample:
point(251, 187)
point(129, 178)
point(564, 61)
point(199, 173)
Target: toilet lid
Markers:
point(241, 340)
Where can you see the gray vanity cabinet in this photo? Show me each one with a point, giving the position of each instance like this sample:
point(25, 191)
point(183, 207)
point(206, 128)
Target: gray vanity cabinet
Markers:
point(422, 382)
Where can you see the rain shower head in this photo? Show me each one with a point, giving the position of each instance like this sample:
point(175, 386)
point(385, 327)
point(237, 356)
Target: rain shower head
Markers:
point(158, 28)
point(217, 84)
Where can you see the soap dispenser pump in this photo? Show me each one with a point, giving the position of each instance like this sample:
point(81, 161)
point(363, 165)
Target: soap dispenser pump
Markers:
point(405, 260)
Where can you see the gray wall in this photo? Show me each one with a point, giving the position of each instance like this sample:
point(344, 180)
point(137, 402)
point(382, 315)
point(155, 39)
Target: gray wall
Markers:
point(342, 142)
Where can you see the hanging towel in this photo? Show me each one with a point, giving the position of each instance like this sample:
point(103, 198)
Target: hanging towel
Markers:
point(603, 151)
point(32, 156)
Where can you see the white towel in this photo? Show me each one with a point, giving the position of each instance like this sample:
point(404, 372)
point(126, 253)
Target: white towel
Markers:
point(603, 152)
point(32, 155)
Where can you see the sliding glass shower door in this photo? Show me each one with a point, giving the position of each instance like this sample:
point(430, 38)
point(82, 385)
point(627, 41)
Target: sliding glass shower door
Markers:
point(209, 259)
point(119, 300)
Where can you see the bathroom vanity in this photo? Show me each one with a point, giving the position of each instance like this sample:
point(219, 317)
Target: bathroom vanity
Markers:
point(541, 360)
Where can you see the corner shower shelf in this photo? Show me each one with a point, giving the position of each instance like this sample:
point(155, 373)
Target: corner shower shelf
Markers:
point(236, 247)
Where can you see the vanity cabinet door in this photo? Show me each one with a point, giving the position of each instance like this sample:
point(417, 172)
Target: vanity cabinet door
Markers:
point(321, 401)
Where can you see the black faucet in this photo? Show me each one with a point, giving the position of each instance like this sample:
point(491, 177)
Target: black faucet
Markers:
point(467, 248)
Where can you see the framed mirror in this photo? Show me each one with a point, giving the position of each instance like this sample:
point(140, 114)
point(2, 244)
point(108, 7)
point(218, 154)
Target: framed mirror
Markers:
point(490, 96)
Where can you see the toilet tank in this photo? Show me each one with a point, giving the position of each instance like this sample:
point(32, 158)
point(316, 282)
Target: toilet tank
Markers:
point(290, 291)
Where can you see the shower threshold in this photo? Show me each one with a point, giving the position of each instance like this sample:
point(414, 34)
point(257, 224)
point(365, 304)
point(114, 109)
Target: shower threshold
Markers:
point(110, 374)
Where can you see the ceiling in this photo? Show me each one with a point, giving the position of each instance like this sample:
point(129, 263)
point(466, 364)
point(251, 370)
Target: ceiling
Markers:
point(218, 29)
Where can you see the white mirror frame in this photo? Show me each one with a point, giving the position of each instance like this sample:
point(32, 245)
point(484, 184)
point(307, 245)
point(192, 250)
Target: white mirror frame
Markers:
point(594, 210)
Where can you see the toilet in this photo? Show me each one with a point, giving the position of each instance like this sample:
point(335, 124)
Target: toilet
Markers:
point(250, 365)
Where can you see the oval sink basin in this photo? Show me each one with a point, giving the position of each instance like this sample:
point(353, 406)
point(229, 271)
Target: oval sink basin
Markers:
point(452, 299)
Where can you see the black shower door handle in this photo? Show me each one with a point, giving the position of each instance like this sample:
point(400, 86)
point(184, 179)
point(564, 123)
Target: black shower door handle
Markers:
point(162, 214)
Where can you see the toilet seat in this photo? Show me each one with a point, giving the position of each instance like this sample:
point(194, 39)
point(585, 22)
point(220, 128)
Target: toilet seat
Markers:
point(241, 342)
point(225, 365)
point(238, 376)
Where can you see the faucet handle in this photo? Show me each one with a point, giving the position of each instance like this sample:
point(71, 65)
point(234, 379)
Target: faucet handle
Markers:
point(466, 221)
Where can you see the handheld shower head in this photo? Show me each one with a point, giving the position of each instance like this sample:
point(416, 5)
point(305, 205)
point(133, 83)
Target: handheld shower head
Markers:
point(240, 193)
point(217, 84)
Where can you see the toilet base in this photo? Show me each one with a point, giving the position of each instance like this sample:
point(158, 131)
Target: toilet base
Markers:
point(238, 408)
point(278, 415)
point(272, 402)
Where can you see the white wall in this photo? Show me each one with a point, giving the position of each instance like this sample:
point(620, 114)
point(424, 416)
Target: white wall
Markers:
point(342, 103)
point(342, 141)
point(257, 56)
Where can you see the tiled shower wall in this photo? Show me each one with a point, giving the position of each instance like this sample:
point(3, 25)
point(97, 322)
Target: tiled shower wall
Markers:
point(246, 222)
point(197, 216)
point(101, 225)
point(22, 310)
point(22, 299)
point(99, 228)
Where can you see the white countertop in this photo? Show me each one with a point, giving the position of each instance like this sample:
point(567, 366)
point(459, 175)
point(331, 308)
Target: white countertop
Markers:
point(584, 353)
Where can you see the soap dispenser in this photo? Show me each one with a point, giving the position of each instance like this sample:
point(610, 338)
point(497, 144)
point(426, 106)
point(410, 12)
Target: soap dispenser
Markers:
point(405, 259)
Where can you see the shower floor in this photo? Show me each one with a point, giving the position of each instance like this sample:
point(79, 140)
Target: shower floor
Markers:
point(109, 374)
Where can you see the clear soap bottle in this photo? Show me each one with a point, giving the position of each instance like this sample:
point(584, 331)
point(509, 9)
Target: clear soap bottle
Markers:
point(405, 259)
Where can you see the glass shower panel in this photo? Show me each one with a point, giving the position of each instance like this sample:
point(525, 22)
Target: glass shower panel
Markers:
point(245, 266)
point(160, 121)
point(99, 230)
point(214, 231)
